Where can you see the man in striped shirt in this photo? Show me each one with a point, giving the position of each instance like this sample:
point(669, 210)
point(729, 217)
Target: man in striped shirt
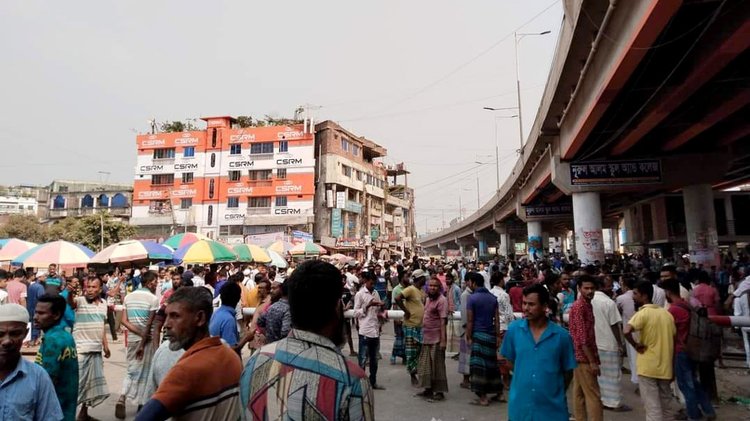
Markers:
point(140, 308)
point(91, 341)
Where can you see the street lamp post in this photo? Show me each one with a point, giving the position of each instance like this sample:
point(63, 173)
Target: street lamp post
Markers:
point(497, 147)
point(518, 37)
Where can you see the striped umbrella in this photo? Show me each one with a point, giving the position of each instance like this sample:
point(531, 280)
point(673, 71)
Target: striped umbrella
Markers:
point(61, 253)
point(276, 259)
point(205, 251)
point(281, 247)
point(308, 247)
point(132, 250)
point(4, 241)
point(251, 253)
point(180, 240)
point(14, 248)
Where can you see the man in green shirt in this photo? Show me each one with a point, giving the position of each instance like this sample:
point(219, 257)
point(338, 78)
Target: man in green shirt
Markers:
point(398, 325)
point(411, 301)
point(58, 352)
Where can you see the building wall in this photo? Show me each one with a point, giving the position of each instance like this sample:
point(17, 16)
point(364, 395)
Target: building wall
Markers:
point(231, 169)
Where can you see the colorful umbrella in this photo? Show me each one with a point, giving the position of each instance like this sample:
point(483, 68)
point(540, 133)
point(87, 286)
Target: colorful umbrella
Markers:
point(205, 251)
point(276, 259)
point(281, 247)
point(132, 250)
point(341, 258)
point(4, 241)
point(180, 240)
point(251, 253)
point(14, 248)
point(308, 247)
point(61, 253)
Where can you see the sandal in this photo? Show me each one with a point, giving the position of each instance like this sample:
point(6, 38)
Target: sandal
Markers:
point(437, 397)
point(477, 402)
point(424, 395)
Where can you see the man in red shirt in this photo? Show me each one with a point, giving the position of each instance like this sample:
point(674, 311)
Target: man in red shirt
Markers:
point(696, 399)
point(586, 393)
point(516, 296)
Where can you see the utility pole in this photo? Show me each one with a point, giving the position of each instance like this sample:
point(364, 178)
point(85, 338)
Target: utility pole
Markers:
point(101, 231)
point(518, 37)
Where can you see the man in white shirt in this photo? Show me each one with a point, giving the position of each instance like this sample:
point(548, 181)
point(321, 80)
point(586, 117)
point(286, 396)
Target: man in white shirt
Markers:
point(351, 278)
point(367, 304)
point(742, 308)
point(607, 325)
point(626, 305)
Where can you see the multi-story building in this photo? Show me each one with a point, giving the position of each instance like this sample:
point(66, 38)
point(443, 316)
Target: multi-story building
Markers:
point(18, 205)
point(354, 212)
point(225, 182)
point(78, 198)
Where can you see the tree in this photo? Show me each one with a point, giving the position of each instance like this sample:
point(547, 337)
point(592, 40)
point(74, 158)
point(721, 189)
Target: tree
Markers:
point(24, 227)
point(87, 230)
point(172, 126)
point(245, 121)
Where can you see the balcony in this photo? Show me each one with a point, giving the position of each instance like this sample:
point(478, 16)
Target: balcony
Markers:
point(259, 211)
point(261, 156)
point(260, 183)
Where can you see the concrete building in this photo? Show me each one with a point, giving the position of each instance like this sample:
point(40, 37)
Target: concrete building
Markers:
point(18, 205)
point(356, 211)
point(225, 182)
point(79, 198)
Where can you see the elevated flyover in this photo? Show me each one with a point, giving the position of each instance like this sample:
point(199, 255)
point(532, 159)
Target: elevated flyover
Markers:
point(645, 110)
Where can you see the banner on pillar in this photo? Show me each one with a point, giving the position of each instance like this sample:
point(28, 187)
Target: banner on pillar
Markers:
point(645, 171)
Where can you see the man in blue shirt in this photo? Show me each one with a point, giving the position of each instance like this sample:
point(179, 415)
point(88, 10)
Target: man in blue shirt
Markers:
point(26, 391)
point(223, 322)
point(540, 353)
point(35, 290)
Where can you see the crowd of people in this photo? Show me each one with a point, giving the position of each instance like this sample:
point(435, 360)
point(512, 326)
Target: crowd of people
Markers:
point(528, 331)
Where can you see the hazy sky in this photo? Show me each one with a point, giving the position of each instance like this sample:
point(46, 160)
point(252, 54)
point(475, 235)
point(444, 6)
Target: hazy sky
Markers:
point(79, 79)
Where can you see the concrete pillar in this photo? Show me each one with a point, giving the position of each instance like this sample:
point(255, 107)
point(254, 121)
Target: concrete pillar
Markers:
point(545, 242)
point(534, 245)
point(481, 244)
point(729, 214)
point(700, 223)
point(570, 237)
point(587, 220)
point(505, 246)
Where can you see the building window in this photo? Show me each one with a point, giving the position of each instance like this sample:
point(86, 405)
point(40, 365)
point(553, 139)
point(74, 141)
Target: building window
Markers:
point(87, 201)
point(344, 144)
point(59, 202)
point(159, 206)
point(188, 151)
point(225, 230)
point(258, 202)
point(261, 148)
point(234, 175)
point(213, 144)
point(186, 203)
point(233, 202)
point(281, 173)
point(210, 216)
point(235, 149)
point(119, 201)
point(164, 153)
point(187, 177)
point(283, 146)
point(103, 201)
point(211, 188)
point(346, 170)
point(359, 175)
point(280, 200)
point(260, 174)
point(355, 149)
point(162, 179)
point(213, 160)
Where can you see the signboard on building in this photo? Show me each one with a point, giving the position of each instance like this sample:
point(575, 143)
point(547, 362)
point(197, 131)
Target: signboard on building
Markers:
point(615, 172)
point(340, 199)
point(301, 237)
point(329, 199)
point(337, 225)
point(352, 206)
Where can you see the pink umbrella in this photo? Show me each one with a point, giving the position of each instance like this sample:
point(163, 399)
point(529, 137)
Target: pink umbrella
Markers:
point(14, 248)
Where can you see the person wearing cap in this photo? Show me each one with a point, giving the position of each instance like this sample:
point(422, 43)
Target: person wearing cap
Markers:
point(35, 290)
point(26, 391)
point(58, 353)
point(411, 301)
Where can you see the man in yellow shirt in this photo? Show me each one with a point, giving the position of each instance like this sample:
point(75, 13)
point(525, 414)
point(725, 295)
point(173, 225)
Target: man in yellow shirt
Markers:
point(655, 353)
point(411, 301)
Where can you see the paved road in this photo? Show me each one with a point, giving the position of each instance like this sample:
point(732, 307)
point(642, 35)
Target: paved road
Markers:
point(397, 401)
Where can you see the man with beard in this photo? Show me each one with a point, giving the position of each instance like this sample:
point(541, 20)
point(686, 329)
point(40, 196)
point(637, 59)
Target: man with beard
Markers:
point(310, 352)
point(138, 317)
point(193, 389)
point(254, 335)
point(431, 367)
point(277, 320)
point(58, 352)
point(26, 391)
point(90, 336)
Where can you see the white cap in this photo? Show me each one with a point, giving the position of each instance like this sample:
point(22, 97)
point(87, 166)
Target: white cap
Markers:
point(246, 272)
point(137, 272)
point(13, 313)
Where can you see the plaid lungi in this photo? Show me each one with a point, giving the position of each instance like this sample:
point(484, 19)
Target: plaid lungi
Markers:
point(464, 353)
point(398, 342)
point(484, 369)
point(92, 386)
point(135, 383)
point(431, 368)
point(412, 343)
point(609, 380)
